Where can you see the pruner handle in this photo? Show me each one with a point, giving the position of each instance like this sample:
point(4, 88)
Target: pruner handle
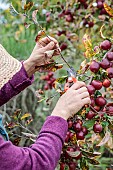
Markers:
point(69, 83)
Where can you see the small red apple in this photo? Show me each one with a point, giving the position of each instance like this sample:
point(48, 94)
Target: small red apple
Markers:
point(110, 72)
point(97, 84)
point(106, 83)
point(97, 128)
point(95, 66)
point(100, 101)
point(105, 45)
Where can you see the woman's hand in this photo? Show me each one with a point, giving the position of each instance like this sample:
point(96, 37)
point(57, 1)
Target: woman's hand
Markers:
point(72, 101)
point(41, 54)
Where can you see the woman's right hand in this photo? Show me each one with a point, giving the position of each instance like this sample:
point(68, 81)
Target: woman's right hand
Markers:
point(72, 101)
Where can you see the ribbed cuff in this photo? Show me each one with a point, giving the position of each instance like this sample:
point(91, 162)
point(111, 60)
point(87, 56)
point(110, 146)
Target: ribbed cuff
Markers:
point(55, 125)
point(21, 80)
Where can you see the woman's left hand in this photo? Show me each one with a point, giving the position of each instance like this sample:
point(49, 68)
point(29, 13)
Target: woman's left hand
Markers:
point(43, 51)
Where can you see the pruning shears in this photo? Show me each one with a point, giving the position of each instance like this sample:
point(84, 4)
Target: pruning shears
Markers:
point(71, 78)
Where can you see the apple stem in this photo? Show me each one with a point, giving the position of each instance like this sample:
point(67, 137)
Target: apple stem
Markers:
point(91, 78)
point(108, 51)
point(93, 109)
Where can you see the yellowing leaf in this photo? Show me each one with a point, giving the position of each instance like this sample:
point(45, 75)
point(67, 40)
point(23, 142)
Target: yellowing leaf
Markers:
point(88, 46)
point(25, 116)
point(49, 67)
point(34, 14)
point(108, 9)
point(85, 168)
point(40, 36)
point(83, 64)
point(105, 139)
point(23, 3)
point(87, 42)
point(28, 121)
point(101, 33)
point(110, 143)
point(84, 67)
point(28, 6)
point(90, 52)
point(45, 3)
point(12, 125)
point(17, 141)
point(73, 154)
point(17, 112)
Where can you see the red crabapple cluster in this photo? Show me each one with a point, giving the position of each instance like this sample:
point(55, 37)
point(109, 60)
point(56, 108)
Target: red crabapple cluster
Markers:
point(105, 69)
point(76, 130)
point(101, 71)
point(100, 10)
point(69, 16)
point(49, 78)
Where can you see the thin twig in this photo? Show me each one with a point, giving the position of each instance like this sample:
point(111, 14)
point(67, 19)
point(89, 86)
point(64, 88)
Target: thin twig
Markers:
point(93, 109)
point(25, 128)
point(108, 51)
point(91, 78)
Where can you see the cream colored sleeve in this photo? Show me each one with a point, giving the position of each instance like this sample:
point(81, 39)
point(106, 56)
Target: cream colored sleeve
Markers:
point(9, 66)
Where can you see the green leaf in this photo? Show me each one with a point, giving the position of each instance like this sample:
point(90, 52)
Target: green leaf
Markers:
point(13, 10)
point(98, 93)
point(83, 164)
point(90, 154)
point(105, 123)
point(76, 5)
point(93, 161)
point(39, 101)
point(87, 109)
point(61, 80)
point(89, 123)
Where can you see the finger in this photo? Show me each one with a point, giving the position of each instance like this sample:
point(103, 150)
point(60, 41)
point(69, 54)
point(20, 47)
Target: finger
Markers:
point(49, 54)
point(86, 101)
point(77, 85)
point(84, 95)
point(48, 47)
point(56, 52)
point(81, 90)
point(53, 39)
point(44, 41)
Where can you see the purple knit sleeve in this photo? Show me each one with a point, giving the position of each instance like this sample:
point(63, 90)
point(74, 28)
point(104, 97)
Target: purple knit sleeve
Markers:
point(14, 86)
point(42, 155)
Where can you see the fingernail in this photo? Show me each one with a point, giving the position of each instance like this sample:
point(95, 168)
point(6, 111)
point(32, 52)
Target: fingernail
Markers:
point(52, 43)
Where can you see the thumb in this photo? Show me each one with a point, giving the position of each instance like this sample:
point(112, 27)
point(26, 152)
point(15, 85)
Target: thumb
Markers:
point(49, 46)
